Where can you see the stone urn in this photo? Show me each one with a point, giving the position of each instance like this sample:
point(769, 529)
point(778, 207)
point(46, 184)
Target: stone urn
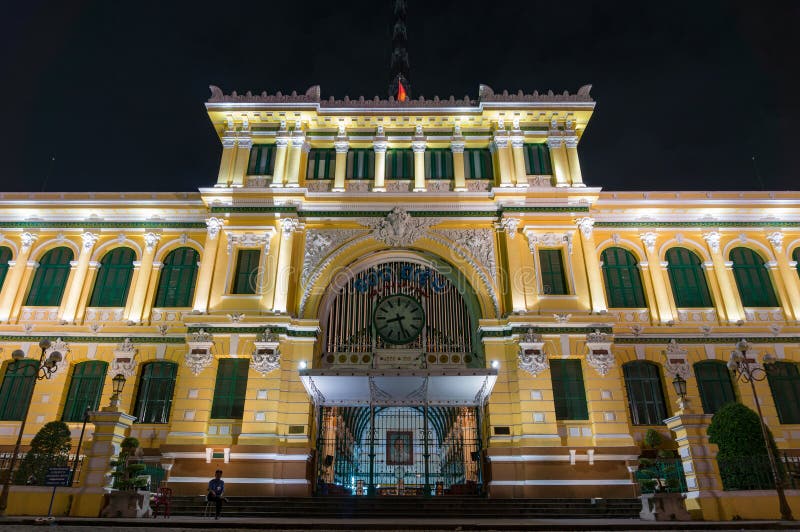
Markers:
point(127, 504)
point(664, 507)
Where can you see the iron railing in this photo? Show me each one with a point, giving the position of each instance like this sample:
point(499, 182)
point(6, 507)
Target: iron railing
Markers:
point(755, 472)
point(669, 476)
point(5, 463)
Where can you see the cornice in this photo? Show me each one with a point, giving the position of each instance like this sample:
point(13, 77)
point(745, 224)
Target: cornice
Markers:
point(95, 339)
point(716, 223)
point(277, 329)
point(40, 224)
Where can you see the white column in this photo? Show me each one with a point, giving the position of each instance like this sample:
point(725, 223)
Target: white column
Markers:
point(342, 145)
point(281, 143)
point(379, 145)
point(518, 153)
point(79, 278)
point(284, 270)
point(205, 272)
point(418, 146)
point(457, 147)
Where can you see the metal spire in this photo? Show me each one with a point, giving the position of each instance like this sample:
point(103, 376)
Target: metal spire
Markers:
point(399, 66)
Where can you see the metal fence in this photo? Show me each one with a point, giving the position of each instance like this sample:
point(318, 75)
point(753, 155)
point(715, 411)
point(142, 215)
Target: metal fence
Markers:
point(5, 464)
point(755, 472)
point(669, 477)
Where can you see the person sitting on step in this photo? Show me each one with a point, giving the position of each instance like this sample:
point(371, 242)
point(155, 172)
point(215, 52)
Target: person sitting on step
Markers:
point(216, 489)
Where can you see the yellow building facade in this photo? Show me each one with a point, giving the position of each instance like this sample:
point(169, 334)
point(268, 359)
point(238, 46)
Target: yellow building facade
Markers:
point(386, 297)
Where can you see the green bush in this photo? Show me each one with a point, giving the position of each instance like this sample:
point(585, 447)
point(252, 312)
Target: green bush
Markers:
point(653, 439)
point(126, 470)
point(49, 448)
point(742, 453)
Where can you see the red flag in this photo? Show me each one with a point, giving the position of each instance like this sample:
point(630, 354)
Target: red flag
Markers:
point(401, 91)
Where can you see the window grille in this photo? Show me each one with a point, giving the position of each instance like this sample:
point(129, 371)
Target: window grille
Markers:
point(177, 279)
point(569, 394)
point(50, 278)
point(113, 278)
point(622, 279)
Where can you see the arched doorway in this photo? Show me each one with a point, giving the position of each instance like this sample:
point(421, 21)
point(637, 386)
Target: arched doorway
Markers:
point(401, 380)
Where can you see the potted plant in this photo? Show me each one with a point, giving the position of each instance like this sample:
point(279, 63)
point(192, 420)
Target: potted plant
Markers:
point(659, 477)
point(129, 497)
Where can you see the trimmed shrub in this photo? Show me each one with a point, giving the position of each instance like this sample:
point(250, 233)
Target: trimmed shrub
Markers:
point(49, 448)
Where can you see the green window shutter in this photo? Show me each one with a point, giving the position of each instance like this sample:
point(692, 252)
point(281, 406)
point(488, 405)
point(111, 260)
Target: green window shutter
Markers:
point(230, 388)
point(50, 278)
point(752, 279)
point(399, 163)
point(714, 383)
point(569, 394)
point(645, 393)
point(16, 390)
point(537, 159)
point(622, 279)
point(439, 163)
point(177, 279)
point(262, 159)
point(321, 163)
point(360, 163)
point(154, 393)
point(552, 269)
point(784, 382)
point(244, 281)
point(5, 256)
point(85, 389)
point(687, 278)
point(478, 164)
point(113, 278)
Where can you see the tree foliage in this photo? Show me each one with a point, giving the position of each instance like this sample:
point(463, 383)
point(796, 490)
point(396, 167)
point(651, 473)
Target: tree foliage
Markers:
point(49, 448)
point(742, 455)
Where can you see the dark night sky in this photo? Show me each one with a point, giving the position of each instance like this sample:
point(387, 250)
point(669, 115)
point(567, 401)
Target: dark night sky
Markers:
point(686, 92)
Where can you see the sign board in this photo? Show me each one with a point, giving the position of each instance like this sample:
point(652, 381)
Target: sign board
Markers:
point(57, 476)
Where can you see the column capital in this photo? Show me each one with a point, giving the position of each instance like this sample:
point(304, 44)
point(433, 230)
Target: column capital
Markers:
point(571, 141)
point(712, 238)
point(517, 141)
point(649, 240)
point(151, 240)
point(418, 146)
point(245, 142)
point(214, 226)
point(290, 225)
point(554, 142)
point(89, 240)
point(509, 225)
point(228, 143)
point(457, 146)
point(776, 239)
point(586, 225)
point(380, 146)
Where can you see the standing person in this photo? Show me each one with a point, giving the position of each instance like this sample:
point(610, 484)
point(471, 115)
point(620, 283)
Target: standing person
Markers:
point(216, 489)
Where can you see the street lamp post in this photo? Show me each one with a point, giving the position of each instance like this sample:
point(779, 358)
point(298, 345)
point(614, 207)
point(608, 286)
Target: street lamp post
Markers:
point(43, 369)
point(741, 367)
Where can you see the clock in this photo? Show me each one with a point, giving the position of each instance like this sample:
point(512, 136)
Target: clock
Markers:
point(398, 319)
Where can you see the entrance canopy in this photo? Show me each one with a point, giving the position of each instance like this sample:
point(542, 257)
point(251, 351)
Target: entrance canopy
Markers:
point(445, 387)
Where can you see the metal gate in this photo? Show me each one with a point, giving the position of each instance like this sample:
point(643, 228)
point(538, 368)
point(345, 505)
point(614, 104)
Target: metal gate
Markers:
point(399, 450)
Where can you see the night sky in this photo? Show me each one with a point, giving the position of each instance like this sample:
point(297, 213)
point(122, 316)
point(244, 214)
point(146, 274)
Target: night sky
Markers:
point(686, 92)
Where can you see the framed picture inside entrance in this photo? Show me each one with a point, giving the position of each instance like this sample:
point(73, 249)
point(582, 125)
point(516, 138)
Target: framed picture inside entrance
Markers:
point(399, 448)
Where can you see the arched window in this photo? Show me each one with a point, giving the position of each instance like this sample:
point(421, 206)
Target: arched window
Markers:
point(687, 278)
point(752, 279)
point(784, 381)
point(50, 278)
point(176, 284)
point(15, 392)
point(5, 256)
point(714, 383)
point(230, 389)
point(113, 278)
point(154, 395)
point(796, 259)
point(622, 279)
point(85, 389)
point(645, 394)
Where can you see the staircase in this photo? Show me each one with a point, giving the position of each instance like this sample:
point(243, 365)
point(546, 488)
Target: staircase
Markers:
point(405, 507)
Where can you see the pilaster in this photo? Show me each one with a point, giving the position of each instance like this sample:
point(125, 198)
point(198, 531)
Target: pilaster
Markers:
point(657, 277)
point(558, 159)
point(457, 147)
point(788, 274)
point(284, 269)
point(515, 272)
point(591, 262)
point(730, 299)
point(501, 142)
point(228, 155)
point(73, 296)
point(142, 281)
point(342, 146)
point(518, 153)
point(13, 285)
point(418, 145)
point(281, 143)
point(243, 144)
point(576, 177)
point(205, 272)
point(294, 155)
point(379, 144)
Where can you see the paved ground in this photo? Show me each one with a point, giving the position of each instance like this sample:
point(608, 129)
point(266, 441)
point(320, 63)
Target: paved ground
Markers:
point(195, 524)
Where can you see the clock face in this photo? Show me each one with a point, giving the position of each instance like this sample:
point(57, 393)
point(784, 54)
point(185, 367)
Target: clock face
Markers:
point(399, 319)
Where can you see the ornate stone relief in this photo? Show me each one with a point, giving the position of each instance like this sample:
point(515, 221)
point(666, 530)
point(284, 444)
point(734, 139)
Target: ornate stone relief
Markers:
point(89, 240)
point(599, 356)
point(28, 239)
point(290, 225)
point(477, 185)
point(776, 239)
point(479, 242)
point(62, 347)
point(151, 240)
point(319, 244)
point(319, 186)
point(677, 360)
point(399, 228)
point(532, 357)
point(712, 238)
point(249, 240)
point(548, 240)
point(649, 241)
point(124, 361)
point(199, 355)
point(266, 355)
point(586, 226)
point(509, 225)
